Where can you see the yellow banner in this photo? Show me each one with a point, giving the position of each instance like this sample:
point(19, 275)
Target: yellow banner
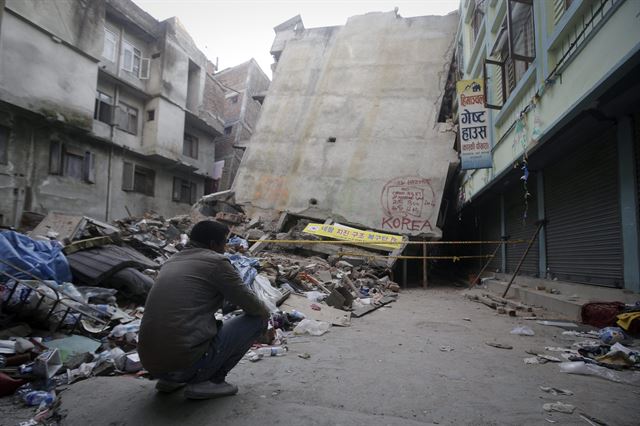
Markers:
point(345, 233)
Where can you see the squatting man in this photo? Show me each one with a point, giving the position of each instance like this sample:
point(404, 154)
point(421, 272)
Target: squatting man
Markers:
point(180, 341)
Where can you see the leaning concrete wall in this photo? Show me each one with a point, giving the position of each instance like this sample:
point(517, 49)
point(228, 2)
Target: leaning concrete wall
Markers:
point(375, 86)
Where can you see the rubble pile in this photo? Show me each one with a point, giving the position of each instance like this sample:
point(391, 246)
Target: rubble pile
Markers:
point(72, 295)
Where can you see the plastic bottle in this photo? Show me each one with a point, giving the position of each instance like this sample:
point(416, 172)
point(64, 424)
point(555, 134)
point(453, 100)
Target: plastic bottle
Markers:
point(271, 351)
point(297, 315)
point(34, 398)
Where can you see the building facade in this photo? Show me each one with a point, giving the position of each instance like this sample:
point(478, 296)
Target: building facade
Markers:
point(563, 99)
point(104, 111)
point(245, 85)
point(350, 128)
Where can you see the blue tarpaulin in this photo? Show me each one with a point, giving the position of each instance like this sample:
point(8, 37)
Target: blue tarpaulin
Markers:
point(246, 267)
point(44, 259)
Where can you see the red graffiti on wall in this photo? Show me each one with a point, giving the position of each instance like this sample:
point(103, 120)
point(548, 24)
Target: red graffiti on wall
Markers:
point(407, 204)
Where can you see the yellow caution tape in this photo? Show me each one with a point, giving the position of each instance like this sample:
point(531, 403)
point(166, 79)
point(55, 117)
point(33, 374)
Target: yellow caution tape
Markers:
point(378, 243)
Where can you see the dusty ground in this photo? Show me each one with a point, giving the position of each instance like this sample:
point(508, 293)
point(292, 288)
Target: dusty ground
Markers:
point(386, 369)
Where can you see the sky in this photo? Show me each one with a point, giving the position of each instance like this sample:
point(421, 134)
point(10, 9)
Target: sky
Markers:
point(235, 31)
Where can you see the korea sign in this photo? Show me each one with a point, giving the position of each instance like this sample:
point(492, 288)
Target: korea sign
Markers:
point(475, 147)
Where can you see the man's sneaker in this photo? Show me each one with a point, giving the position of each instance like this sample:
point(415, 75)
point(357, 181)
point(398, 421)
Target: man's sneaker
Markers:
point(208, 389)
point(167, 386)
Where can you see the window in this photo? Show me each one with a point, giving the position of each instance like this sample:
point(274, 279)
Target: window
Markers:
point(478, 17)
point(4, 145)
point(151, 115)
point(133, 62)
point(184, 191)
point(190, 146)
point(128, 118)
point(130, 58)
point(136, 178)
point(110, 45)
point(103, 108)
point(559, 8)
point(65, 160)
point(514, 49)
point(73, 165)
point(227, 130)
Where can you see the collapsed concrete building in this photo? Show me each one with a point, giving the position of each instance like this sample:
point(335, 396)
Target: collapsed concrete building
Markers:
point(104, 111)
point(349, 129)
point(245, 85)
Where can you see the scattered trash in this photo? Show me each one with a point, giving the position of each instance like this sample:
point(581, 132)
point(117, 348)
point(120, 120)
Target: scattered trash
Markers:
point(523, 331)
point(611, 335)
point(565, 324)
point(581, 367)
point(94, 279)
point(271, 351)
point(555, 391)
point(559, 407)
point(312, 327)
point(499, 345)
point(446, 349)
point(591, 420)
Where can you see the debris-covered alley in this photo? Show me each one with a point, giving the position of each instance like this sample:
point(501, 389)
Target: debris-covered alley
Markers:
point(422, 360)
point(428, 214)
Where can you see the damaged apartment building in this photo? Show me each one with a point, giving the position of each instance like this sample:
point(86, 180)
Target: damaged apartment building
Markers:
point(349, 130)
point(104, 111)
point(246, 86)
point(562, 101)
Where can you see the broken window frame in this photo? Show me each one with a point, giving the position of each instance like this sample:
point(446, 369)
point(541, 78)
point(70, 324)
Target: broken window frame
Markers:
point(512, 66)
point(110, 39)
point(103, 109)
point(127, 118)
point(5, 134)
point(184, 191)
point(190, 146)
point(136, 178)
point(511, 6)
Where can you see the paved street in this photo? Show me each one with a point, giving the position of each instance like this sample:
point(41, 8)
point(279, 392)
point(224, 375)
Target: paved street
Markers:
point(386, 369)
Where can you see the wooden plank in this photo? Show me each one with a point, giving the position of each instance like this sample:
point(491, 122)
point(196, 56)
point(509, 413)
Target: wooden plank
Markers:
point(259, 245)
point(326, 313)
point(370, 308)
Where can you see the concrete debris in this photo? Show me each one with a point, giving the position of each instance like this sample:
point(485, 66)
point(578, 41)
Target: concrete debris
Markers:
point(555, 391)
point(86, 282)
point(559, 407)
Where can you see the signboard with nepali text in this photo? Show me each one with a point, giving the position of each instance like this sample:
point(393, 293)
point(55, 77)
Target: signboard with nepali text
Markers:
point(346, 233)
point(475, 147)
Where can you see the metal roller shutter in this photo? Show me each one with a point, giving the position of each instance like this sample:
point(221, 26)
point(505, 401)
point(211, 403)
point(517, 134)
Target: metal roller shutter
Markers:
point(584, 242)
point(519, 228)
point(490, 221)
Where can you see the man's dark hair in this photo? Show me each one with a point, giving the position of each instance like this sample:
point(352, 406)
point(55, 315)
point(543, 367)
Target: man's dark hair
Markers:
point(208, 230)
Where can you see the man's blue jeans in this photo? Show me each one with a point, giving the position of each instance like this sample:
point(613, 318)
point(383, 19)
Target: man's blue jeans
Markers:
point(227, 348)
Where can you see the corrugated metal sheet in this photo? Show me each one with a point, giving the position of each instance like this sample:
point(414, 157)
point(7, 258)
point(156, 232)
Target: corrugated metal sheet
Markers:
point(94, 265)
point(490, 231)
point(584, 242)
point(520, 227)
